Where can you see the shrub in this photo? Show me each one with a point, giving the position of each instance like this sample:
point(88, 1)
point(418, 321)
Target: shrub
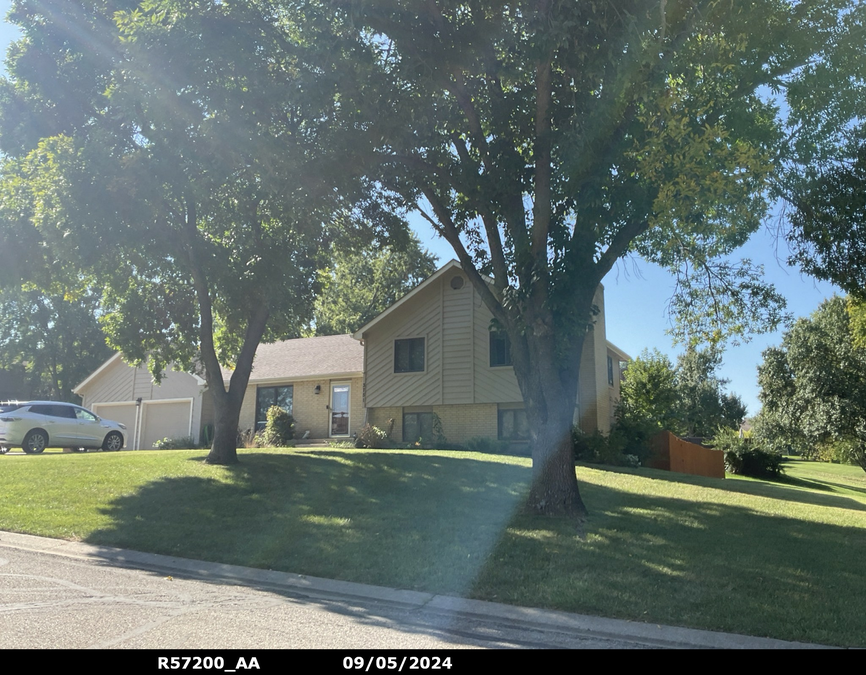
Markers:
point(372, 437)
point(743, 457)
point(596, 448)
point(180, 443)
point(279, 430)
point(633, 439)
point(843, 451)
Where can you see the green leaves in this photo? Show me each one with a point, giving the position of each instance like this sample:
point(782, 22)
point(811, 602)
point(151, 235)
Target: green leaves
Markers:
point(688, 399)
point(828, 223)
point(359, 285)
point(813, 387)
point(54, 337)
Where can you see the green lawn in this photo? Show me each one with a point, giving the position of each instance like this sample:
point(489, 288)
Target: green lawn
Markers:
point(779, 559)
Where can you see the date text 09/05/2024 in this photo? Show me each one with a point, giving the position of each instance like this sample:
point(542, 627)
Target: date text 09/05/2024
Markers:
point(380, 663)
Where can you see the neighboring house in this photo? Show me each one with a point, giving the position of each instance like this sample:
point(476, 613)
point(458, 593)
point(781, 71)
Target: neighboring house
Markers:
point(123, 393)
point(431, 354)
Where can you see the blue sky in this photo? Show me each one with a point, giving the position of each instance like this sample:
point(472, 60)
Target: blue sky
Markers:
point(637, 294)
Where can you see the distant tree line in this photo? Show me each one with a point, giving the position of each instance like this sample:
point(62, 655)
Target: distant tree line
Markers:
point(688, 399)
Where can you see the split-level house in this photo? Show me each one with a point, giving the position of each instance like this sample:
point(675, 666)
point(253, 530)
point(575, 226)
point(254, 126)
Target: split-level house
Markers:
point(433, 354)
point(430, 355)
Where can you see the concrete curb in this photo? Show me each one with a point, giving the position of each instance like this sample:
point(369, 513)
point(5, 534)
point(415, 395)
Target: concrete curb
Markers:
point(540, 619)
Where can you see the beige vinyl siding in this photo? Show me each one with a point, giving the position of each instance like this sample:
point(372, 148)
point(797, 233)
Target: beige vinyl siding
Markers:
point(492, 385)
point(422, 317)
point(174, 384)
point(456, 327)
point(115, 383)
point(457, 344)
point(593, 399)
point(614, 389)
point(122, 382)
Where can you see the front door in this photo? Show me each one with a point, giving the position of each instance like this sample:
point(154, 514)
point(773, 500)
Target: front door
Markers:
point(339, 410)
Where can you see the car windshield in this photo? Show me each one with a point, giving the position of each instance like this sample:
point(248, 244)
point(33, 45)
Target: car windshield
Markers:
point(6, 407)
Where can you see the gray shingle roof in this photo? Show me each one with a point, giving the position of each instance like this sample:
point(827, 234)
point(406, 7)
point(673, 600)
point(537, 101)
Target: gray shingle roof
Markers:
point(307, 358)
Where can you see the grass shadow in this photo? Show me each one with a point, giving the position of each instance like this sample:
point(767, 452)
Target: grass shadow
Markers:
point(320, 513)
point(665, 560)
point(785, 488)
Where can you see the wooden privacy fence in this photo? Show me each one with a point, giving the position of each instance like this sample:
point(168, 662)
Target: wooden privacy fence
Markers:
point(672, 453)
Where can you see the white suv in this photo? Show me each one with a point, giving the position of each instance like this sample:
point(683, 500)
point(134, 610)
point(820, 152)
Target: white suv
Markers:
point(35, 425)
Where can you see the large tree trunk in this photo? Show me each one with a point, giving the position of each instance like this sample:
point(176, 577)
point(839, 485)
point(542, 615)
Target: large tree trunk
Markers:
point(548, 376)
point(227, 402)
point(554, 488)
point(227, 412)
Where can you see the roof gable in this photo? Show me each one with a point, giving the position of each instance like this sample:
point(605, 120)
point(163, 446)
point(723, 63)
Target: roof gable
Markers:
point(450, 265)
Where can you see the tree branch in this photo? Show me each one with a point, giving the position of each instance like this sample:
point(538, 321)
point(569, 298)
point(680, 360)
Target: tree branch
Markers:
point(449, 231)
point(619, 246)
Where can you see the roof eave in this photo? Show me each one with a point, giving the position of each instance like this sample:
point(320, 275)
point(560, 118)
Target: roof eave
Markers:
point(305, 378)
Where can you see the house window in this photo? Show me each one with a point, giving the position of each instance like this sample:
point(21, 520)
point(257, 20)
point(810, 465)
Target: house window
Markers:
point(500, 349)
point(610, 370)
point(513, 425)
point(409, 355)
point(417, 426)
point(271, 396)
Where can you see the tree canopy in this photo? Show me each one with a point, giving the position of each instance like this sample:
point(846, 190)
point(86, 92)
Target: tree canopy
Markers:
point(828, 222)
point(813, 386)
point(187, 158)
point(547, 140)
point(648, 393)
point(689, 399)
point(359, 285)
point(56, 339)
point(704, 405)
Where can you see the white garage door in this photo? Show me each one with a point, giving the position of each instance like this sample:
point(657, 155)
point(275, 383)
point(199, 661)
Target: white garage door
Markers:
point(119, 412)
point(164, 419)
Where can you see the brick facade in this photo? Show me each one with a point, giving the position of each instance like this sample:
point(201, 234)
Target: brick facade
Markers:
point(310, 409)
point(459, 422)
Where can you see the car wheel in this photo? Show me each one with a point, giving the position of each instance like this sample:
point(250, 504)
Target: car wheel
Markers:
point(35, 442)
point(113, 441)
